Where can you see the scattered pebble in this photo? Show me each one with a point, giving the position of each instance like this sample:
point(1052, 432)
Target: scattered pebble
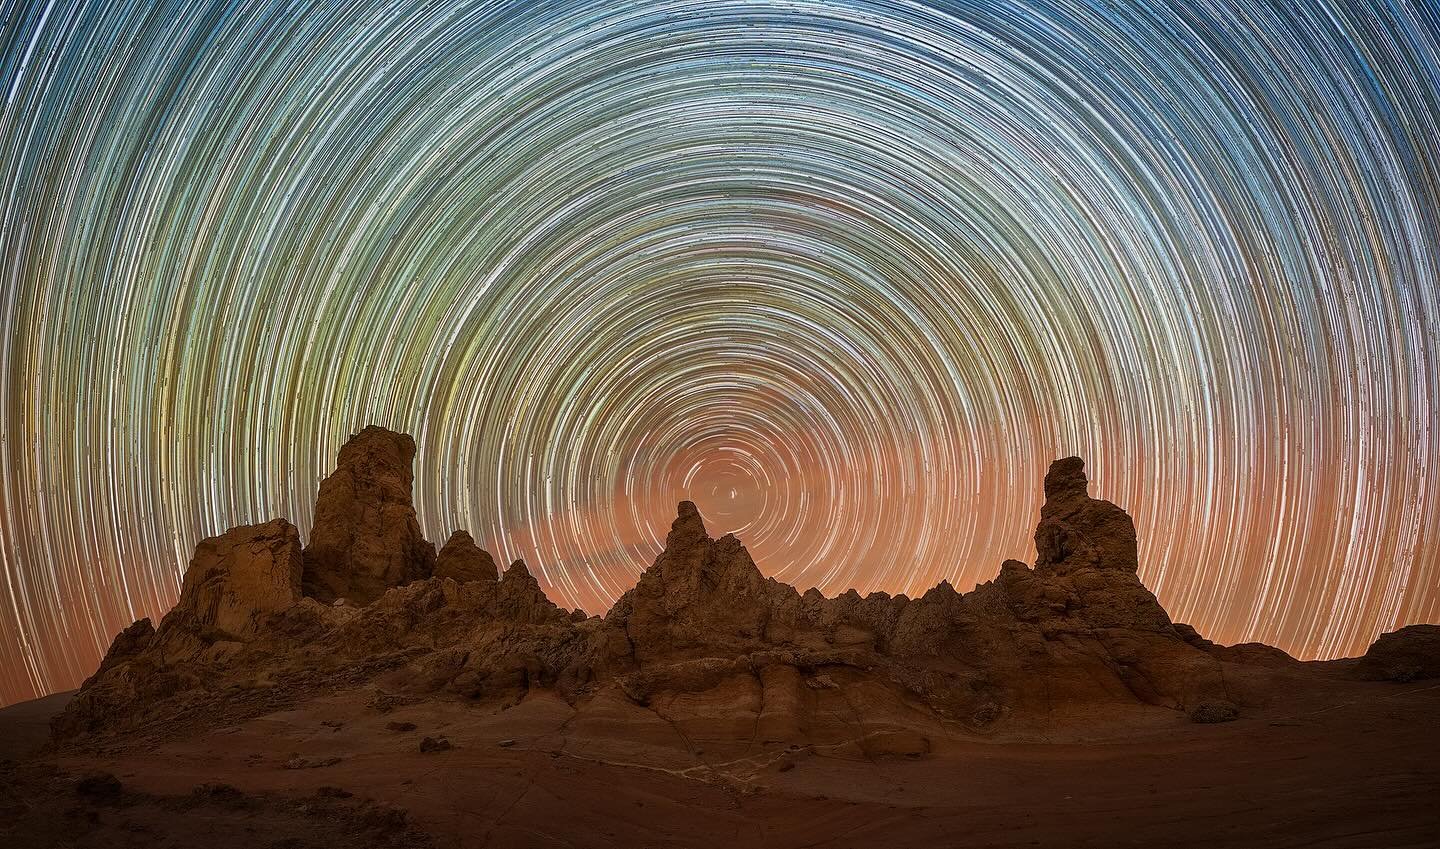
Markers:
point(1212, 712)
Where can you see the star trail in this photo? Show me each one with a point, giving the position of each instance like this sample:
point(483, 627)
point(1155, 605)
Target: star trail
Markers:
point(847, 274)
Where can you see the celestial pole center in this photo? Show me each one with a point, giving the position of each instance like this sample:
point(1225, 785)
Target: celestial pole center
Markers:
point(846, 274)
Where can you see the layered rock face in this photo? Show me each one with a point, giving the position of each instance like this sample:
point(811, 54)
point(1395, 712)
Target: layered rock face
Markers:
point(366, 537)
point(703, 637)
point(236, 579)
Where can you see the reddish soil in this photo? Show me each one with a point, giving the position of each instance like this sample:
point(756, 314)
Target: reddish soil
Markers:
point(1347, 764)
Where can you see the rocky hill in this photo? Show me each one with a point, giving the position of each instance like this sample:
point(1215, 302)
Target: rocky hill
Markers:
point(264, 621)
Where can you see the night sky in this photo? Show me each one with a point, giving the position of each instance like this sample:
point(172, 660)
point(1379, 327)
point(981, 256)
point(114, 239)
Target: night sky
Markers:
point(847, 274)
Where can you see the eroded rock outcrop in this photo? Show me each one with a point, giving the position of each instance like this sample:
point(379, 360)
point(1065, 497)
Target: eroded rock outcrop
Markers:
point(235, 584)
point(237, 579)
point(1408, 654)
point(366, 537)
point(704, 637)
point(700, 596)
point(460, 559)
point(1079, 532)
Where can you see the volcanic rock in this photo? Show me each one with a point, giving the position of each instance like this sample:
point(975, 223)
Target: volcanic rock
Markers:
point(366, 537)
point(462, 560)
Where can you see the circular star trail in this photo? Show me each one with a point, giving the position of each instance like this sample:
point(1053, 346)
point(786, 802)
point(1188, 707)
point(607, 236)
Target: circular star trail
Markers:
point(847, 274)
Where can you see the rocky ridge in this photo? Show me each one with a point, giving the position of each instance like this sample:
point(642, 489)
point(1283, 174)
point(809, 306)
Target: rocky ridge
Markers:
point(262, 622)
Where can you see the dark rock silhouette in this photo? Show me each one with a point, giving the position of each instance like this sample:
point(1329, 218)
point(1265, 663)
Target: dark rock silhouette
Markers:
point(1409, 654)
point(1079, 532)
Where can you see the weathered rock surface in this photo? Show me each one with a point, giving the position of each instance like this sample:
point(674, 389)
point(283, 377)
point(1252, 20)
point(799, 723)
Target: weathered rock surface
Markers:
point(1079, 532)
point(462, 560)
point(366, 537)
point(1409, 654)
point(239, 577)
point(235, 584)
point(703, 640)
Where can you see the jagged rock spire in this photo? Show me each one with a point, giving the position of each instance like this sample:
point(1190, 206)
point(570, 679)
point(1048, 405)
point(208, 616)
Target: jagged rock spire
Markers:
point(1079, 532)
point(1066, 479)
point(366, 537)
point(697, 591)
point(687, 529)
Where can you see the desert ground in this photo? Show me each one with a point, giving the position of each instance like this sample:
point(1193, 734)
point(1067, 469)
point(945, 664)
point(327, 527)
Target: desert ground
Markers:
point(1342, 767)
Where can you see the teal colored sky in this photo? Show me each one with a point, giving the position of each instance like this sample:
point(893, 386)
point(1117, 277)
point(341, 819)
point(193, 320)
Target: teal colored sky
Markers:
point(847, 274)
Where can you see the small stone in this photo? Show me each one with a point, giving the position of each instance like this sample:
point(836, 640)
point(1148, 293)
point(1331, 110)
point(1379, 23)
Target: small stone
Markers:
point(435, 744)
point(218, 792)
point(505, 744)
point(1212, 712)
point(400, 726)
point(333, 792)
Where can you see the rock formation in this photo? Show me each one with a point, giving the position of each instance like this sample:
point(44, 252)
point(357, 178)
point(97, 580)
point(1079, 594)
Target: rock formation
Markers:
point(366, 537)
point(703, 639)
point(460, 559)
point(700, 595)
point(1079, 532)
point(236, 582)
point(1409, 654)
point(239, 577)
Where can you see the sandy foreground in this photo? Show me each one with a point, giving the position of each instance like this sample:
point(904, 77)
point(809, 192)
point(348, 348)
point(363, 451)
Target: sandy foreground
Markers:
point(1350, 764)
